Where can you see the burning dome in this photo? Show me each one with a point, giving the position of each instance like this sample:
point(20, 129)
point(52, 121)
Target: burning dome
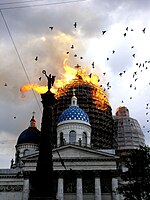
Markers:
point(92, 98)
point(73, 113)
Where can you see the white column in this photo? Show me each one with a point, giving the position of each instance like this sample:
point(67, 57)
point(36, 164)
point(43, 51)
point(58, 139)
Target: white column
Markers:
point(25, 194)
point(60, 191)
point(79, 189)
point(98, 188)
point(115, 195)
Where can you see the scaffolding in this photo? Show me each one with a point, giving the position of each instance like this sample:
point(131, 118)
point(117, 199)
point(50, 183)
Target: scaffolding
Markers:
point(93, 100)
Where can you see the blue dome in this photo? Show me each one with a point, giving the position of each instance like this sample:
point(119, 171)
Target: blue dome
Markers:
point(30, 135)
point(73, 113)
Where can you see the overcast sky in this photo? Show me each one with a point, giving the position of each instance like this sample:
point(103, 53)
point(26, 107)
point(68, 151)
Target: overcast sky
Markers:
point(28, 23)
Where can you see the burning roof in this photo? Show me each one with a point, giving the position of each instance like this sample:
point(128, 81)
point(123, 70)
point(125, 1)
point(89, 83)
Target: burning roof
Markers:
point(72, 78)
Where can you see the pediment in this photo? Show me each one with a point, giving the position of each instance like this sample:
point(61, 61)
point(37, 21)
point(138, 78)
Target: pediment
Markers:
point(74, 152)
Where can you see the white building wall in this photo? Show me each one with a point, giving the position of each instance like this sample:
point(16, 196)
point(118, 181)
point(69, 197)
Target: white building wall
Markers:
point(78, 126)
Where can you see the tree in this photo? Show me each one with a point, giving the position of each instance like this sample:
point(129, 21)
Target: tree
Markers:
point(136, 179)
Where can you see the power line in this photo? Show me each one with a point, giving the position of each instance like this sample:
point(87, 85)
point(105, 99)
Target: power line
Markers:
point(20, 2)
point(24, 69)
point(46, 4)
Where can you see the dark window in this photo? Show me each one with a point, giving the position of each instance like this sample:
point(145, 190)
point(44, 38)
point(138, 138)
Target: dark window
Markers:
point(84, 138)
point(61, 139)
point(72, 137)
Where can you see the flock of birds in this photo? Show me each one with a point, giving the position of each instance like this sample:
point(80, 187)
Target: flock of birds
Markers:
point(140, 68)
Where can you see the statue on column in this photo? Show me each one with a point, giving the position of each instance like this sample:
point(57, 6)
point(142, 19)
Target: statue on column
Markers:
point(50, 78)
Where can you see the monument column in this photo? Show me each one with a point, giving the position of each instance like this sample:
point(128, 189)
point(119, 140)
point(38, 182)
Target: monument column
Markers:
point(44, 169)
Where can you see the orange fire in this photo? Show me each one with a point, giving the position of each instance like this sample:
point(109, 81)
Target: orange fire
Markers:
point(73, 77)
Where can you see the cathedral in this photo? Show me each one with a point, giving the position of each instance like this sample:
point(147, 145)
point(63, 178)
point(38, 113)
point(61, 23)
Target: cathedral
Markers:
point(85, 141)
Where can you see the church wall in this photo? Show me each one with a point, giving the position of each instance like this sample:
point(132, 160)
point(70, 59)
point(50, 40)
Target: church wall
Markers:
point(11, 195)
point(78, 128)
point(11, 189)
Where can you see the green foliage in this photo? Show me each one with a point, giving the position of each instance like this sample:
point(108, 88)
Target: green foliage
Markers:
point(136, 180)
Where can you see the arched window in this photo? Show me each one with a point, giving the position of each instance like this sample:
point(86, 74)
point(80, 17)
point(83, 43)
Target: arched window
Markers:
point(61, 139)
point(72, 137)
point(84, 138)
point(25, 152)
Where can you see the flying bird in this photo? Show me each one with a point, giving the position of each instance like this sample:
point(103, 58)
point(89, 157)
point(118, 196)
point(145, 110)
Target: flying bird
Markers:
point(75, 55)
point(51, 28)
point(5, 84)
point(36, 58)
point(40, 78)
point(144, 30)
point(125, 34)
point(104, 73)
point(120, 74)
point(127, 29)
point(14, 117)
point(72, 46)
point(107, 58)
point(75, 24)
point(132, 47)
point(81, 57)
point(93, 64)
point(113, 51)
point(103, 32)
point(133, 55)
point(67, 52)
point(90, 75)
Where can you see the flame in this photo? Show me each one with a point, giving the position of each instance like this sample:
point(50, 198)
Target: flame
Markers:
point(73, 77)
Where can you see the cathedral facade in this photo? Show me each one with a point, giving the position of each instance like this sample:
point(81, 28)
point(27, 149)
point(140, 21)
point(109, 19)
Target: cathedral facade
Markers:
point(85, 163)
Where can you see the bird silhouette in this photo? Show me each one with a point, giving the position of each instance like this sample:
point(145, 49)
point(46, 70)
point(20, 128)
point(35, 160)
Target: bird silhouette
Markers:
point(124, 34)
point(36, 58)
point(51, 28)
point(113, 51)
point(132, 47)
point(133, 55)
point(75, 55)
point(40, 78)
point(5, 84)
point(144, 30)
point(90, 75)
point(127, 29)
point(67, 52)
point(93, 64)
point(107, 58)
point(103, 32)
point(75, 24)
point(72, 46)
point(104, 73)
point(81, 57)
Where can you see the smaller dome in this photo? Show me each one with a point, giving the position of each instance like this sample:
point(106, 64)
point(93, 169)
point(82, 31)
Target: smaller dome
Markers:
point(122, 111)
point(30, 135)
point(73, 113)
